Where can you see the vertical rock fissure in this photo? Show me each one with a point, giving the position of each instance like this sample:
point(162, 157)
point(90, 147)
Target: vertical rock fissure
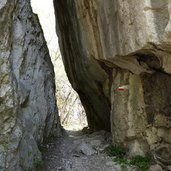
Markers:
point(117, 57)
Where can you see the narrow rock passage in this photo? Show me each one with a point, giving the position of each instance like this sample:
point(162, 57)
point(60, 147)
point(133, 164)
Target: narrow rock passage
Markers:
point(76, 151)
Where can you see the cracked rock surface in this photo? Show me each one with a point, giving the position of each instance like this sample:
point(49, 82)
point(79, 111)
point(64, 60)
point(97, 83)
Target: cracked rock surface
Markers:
point(28, 112)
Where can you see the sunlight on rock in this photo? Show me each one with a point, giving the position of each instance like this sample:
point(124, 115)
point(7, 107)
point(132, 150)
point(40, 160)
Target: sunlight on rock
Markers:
point(71, 112)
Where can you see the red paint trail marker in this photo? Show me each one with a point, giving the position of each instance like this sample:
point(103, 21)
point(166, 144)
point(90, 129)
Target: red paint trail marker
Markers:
point(122, 88)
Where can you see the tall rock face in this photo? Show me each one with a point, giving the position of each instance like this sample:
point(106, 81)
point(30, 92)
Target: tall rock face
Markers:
point(28, 112)
point(80, 50)
point(117, 55)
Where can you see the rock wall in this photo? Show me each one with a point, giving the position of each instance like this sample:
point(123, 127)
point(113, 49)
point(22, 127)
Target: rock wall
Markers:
point(28, 112)
point(117, 56)
point(79, 51)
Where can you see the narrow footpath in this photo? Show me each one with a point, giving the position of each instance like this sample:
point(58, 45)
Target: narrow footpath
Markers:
point(75, 151)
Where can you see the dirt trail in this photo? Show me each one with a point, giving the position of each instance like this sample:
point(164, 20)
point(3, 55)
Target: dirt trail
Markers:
point(75, 151)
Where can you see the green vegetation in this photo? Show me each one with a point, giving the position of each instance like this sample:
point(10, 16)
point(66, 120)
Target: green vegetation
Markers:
point(142, 163)
point(116, 150)
point(38, 162)
point(119, 152)
point(121, 161)
point(42, 148)
point(29, 153)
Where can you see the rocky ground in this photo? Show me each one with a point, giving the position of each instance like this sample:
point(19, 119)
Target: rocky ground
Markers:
point(76, 151)
point(80, 151)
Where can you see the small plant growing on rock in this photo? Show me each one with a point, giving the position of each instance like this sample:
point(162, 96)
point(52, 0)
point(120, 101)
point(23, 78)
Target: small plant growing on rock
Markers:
point(116, 150)
point(38, 162)
point(119, 152)
point(29, 153)
point(142, 163)
point(42, 148)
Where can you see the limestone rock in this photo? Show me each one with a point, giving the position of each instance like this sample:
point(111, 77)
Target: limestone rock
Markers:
point(85, 149)
point(155, 168)
point(169, 167)
point(28, 112)
point(84, 72)
point(117, 56)
point(95, 143)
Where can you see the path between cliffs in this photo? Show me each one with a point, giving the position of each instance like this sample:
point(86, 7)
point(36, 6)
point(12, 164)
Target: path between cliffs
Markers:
point(75, 151)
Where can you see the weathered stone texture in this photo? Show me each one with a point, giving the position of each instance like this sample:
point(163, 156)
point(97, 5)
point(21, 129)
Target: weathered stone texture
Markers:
point(107, 44)
point(28, 112)
point(85, 74)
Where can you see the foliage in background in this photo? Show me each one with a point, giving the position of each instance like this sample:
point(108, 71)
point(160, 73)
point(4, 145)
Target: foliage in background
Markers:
point(70, 109)
point(71, 112)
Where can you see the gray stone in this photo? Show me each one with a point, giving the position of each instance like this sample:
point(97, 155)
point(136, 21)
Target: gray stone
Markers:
point(117, 56)
point(169, 167)
point(86, 149)
point(155, 167)
point(2, 158)
point(96, 143)
point(110, 163)
point(28, 112)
